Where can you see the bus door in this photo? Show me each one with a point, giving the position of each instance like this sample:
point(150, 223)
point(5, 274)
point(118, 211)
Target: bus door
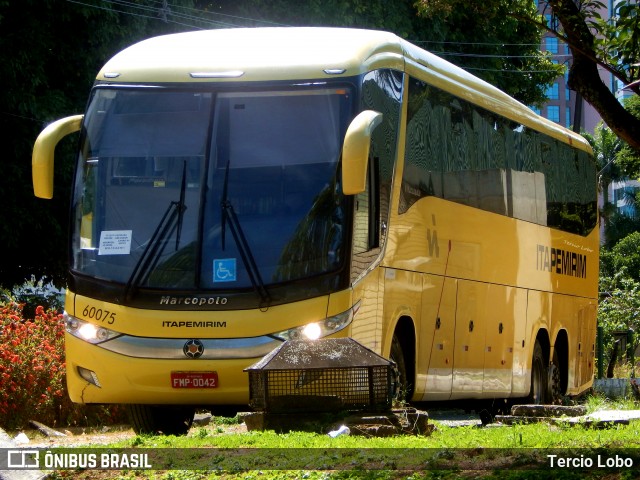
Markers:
point(484, 339)
point(469, 343)
point(507, 305)
point(435, 337)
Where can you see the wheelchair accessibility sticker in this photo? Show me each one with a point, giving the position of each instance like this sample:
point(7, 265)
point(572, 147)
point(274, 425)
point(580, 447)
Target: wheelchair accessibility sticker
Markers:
point(224, 270)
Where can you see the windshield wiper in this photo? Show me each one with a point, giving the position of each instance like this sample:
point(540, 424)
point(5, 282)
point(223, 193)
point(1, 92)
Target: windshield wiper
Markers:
point(181, 205)
point(229, 214)
point(171, 221)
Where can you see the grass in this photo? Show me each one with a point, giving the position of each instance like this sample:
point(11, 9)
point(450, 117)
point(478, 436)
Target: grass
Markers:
point(601, 402)
point(493, 452)
point(518, 436)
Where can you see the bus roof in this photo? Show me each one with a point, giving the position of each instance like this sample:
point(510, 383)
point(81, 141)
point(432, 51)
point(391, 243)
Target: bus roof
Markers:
point(307, 53)
point(254, 54)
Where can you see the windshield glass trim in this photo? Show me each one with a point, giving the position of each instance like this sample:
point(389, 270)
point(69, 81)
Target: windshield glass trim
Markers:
point(270, 91)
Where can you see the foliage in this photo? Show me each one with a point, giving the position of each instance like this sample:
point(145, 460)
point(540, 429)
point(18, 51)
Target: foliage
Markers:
point(618, 226)
point(609, 44)
point(48, 69)
point(34, 293)
point(597, 44)
point(392, 15)
point(618, 38)
point(615, 161)
point(625, 254)
point(619, 307)
point(628, 158)
point(498, 48)
point(499, 45)
point(31, 367)
point(606, 147)
point(32, 372)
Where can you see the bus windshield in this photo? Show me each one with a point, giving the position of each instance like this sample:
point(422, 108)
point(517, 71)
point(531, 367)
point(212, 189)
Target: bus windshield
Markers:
point(184, 189)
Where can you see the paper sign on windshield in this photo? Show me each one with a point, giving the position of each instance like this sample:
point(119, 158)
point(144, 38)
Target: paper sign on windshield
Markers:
point(115, 242)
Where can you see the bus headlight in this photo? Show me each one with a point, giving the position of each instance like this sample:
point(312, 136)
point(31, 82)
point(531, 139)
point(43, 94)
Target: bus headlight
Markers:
point(88, 331)
point(323, 328)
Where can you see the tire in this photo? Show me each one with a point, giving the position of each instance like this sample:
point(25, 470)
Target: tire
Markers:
point(160, 419)
point(555, 394)
point(403, 389)
point(539, 377)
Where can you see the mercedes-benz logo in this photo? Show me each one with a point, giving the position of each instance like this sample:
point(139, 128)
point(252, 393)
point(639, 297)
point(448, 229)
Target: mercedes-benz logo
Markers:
point(193, 348)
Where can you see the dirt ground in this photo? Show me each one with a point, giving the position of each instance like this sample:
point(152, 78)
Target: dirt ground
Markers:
point(74, 437)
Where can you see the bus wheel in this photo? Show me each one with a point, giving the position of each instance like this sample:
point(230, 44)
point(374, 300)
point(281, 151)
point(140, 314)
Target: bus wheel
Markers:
point(401, 393)
point(555, 383)
point(539, 377)
point(156, 419)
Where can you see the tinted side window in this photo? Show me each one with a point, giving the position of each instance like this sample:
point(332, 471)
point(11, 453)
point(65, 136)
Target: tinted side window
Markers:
point(382, 92)
point(466, 154)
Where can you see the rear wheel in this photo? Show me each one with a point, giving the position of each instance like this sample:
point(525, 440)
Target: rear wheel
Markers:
point(404, 390)
point(539, 377)
point(160, 419)
point(555, 382)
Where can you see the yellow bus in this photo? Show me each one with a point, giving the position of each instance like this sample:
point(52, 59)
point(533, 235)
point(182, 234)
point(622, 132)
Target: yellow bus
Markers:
point(237, 188)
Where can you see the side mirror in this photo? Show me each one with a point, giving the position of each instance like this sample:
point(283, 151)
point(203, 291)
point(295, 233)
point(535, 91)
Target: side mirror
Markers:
point(43, 153)
point(355, 151)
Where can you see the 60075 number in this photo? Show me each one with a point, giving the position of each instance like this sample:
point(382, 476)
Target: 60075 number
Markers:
point(99, 314)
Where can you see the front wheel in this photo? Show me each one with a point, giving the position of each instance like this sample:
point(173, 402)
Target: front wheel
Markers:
point(160, 419)
point(403, 390)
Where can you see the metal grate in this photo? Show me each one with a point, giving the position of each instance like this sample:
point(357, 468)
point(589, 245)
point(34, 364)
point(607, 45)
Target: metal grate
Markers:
point(321, 387)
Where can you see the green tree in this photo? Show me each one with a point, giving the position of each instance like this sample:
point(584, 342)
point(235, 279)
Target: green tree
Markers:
point(51, 51)
point(628, 158)
point(611, 44)
point(623, 255)
point(606, 147)
point(618, 226)
point(596, 43)
point(497, 45)
point(499, 49)
point(619, 307)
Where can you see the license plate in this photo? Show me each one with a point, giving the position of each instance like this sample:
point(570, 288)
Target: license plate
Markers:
point(194, 379)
